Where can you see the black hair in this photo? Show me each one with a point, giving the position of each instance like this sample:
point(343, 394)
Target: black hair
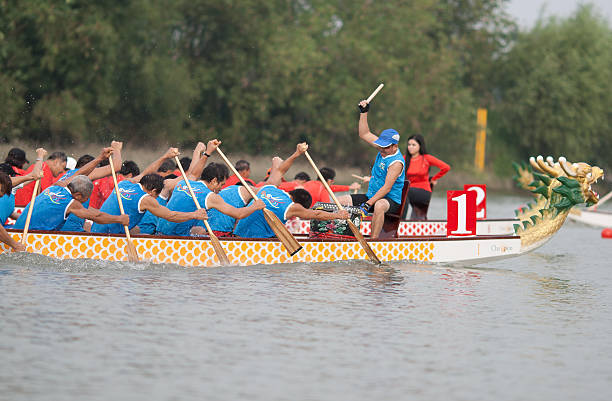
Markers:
point(215, 170)
point(422, 150)
point(83, 160)
point(58, 155)
point(185, 162)
point(103, 163)
point(328, 173)
point(152, 182)
point(6, 183)
point(242, 165)
point(16, 157)
point(302, 176)
point(170, 176)
point(129, 167)
point(7, 169)
point(167, 165)
point(302, 197)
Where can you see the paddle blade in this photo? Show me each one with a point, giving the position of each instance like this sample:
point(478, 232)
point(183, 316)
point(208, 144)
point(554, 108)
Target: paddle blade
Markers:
point(131, 251)
point(283, 234)
point(362, 241)
point(223, 259)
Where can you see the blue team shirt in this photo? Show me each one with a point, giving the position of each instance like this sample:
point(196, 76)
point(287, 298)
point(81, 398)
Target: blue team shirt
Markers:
point(181, 201)
point(148, 224)
point(7, 205)
point(255, 225)
point(50, 208)
point(379, 175)
point(131, 196)
point(222, 222)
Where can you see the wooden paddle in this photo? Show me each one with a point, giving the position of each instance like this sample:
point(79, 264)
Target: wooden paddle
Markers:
point(364, 244)
point(29, 216)
point(223, 259)
point(282, 233)
point(369, 99)
point(130, 249)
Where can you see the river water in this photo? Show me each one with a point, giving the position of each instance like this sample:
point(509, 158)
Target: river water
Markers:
point(535, 327)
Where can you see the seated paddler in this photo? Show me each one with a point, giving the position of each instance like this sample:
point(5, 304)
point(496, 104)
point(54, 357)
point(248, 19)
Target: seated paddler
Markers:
point(284, 204)
point(206, 183)
point(139, 195)
point(57, 202)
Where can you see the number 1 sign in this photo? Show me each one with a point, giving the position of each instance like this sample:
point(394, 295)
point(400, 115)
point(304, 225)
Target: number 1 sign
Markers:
point(460, 213)
point(481, 199)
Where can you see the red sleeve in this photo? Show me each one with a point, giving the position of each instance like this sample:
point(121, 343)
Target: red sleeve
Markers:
point(339, 188)
point(288, 185)
point(444, 168)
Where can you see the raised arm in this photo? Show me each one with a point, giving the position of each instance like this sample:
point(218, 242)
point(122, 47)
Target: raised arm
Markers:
point(150, 204)
point(36, 172)
point(195, 169)
point(300, 149)
point(105, 171)
point(91, 166)
point(364, 129)
point(153, 167)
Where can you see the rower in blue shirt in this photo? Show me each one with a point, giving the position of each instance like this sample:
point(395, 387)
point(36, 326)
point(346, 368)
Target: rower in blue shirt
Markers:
point(388, 173)
point(285, 205)
point(206, 190)
point(53, 206)
point(138, 195)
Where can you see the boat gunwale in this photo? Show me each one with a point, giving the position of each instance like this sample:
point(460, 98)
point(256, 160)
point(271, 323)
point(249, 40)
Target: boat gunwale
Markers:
point(303, 239)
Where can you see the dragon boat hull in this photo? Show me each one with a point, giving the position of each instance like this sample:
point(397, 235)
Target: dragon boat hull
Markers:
point(591, 218)
point(198, 252)
point(421, 228)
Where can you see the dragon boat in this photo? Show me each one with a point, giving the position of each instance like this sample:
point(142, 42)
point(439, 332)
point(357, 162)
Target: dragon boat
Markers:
point(526, 179)
point(413, 228)
point(559, 192)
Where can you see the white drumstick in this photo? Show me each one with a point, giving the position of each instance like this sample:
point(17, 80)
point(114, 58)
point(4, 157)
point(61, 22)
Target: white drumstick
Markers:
point(375, 93)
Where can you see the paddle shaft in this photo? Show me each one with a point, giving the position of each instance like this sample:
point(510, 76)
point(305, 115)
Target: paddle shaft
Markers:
point(29, 216)
point(375, 93)
point(132, 253)
point(282, 233)
point(213, 238)
point(362, 241)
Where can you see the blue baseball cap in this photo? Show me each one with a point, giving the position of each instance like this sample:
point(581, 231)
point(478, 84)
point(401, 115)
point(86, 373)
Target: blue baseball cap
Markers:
point(387, 138)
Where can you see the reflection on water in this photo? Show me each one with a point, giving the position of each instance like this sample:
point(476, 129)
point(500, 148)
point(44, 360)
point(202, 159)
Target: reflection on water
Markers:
point(529, 328)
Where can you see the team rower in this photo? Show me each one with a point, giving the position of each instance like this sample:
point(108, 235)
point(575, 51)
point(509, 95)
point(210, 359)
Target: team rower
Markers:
point(53, 206)
point(139, 195)
point(212, 178)
point(285, 205)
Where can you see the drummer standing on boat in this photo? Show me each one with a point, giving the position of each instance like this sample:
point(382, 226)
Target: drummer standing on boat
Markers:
point(388, 172)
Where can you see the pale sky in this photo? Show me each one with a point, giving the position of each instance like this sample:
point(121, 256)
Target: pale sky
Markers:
point(526, 12)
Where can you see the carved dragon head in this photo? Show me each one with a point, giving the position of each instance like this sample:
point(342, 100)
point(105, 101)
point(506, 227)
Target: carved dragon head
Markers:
point(558, 187)
point(579, 181)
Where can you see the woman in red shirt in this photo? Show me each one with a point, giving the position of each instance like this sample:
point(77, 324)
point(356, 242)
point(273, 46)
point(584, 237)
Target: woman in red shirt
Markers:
point(418, 162)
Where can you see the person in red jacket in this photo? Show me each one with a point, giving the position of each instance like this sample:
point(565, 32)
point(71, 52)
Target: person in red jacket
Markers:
point(53, 169)
point(418, 162)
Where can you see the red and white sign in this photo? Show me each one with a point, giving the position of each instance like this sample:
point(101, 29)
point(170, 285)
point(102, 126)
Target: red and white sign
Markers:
point(460, 213)
point(481, 199)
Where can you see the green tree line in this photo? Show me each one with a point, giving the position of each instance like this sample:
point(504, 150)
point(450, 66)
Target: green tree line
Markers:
point(262, 76)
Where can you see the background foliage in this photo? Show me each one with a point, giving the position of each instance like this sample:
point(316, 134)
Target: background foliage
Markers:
point(263, 75)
